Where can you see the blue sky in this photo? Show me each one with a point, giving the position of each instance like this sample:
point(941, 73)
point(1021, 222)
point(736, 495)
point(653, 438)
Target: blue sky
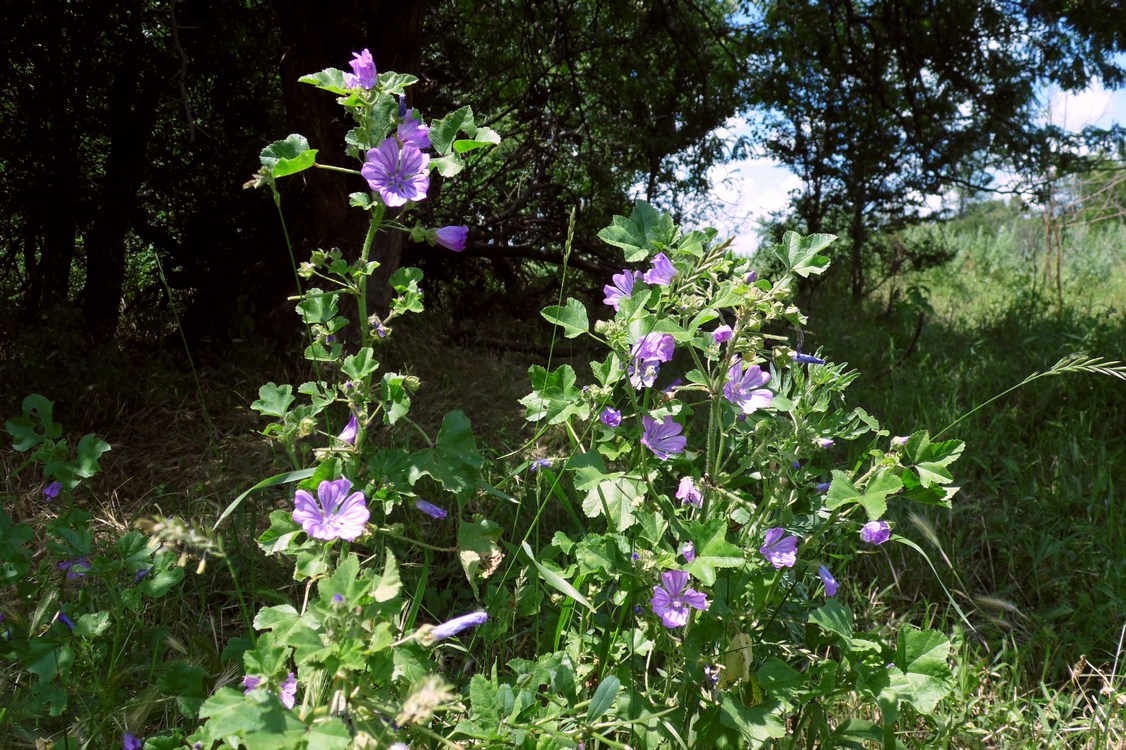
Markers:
point(744, 192)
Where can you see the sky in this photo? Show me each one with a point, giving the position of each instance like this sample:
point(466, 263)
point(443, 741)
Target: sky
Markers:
point(747, 191)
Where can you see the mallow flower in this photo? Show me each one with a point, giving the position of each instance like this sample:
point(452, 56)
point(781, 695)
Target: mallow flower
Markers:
point(688, 549)
point(288, 695)
point(662, 271)
point(723, 333)
point(742, 388)
point(398, 174)
point(646, 357)
point(875, 532)
point(780, 550)
point(130, 742)
point(621, 288)
point(350, 431)
point(363, 73)
point(430, 509)
point(663, 438)
point(688, 493)
point(335, 514)
point(452, 238)
point(807, 359)
point(51, 491)
point(413, 132)
point(671, 599)
point(458, 624)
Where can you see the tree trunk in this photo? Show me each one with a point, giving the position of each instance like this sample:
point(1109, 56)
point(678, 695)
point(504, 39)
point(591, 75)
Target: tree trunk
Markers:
point(857, 234)
point(132, 111)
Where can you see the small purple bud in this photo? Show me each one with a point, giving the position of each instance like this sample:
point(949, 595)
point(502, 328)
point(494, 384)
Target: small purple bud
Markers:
point(824, 442)
point(452, 238)
point(723, 333)
point(823, 487)
point(458, 624)
point(350, 432)
point(797, 464)
point(807, 359)
point(337, 599)
point(51, 491)
point(689, 551)
point(899, 440)
point(635, 556)
point(66, 620)
point(141, 574)
point(752, 277)
point(541, 463)
point(831, 584)
point(610, 417)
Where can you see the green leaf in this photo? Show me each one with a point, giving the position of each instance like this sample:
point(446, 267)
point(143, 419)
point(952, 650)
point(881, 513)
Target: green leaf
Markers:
point(395, 83)
point(712, 550)
point(873, 498)
point(556, 581)
point(633, 235)
point(554, 396)
point(273, 400)
point(833, 617)
point(329, 79)
point(257, 718)
point(931, 459)
point(35, 426)
point(482, 138)
point(614, 499)
point(447, 166)
point(443, 131)
point(184, 682)
point(572, 317)
point(800, 253)
point(288, 157)
point(90, 448)
point(329, 734)
point(396, 398)
point(389, 584)
point(454, 460)
point(477, 549)
point(758, 724)
point(91, 625)
point(920, 675)
point(318, 307)
point(603, 698)
point(361, 364)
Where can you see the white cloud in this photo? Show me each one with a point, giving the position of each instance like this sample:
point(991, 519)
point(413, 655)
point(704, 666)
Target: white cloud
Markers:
point(743, 194)
point(1091, 106)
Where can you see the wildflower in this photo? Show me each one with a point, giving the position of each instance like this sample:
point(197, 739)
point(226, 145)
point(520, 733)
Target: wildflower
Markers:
point(458, 624)
point(824, 442)
point(689, 551)
point(831, 584)
point(742, 388)
point(671, 599)
point(399, 746)
point(288, 695)
point(807, 359)
point(66, 620)
point(778, 551)
point(452, 238)
point(398, 174)
point(823, 487)
point(622, 288)
point(413, 132)
point(663, 438)
point(875, 532)
point(250, 682)
point(896, 442)
point(130, 742)
point(647, 354)
point(662, 271)
point(752, 277)
point(540, 463)
point(51, 491)
point(711, 675)
point(610, 417)
point(723, 333)
point(350, 431)
point(363, 73)
point(430, 509)
point(337, 598)
point(688, 493)
point(75, 568)
point(140, 575)
point(335, 514)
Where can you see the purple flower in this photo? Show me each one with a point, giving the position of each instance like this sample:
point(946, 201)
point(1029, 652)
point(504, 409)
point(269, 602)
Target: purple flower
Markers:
point(51, 491)
point(688, 549)
point(723, 333)
point(824, 442)
point(671, 599)
point(823, 487)
point(899, 441)
point(540, 463)
point(140, 575)
point(452, 238)
point(288, 694)
point(808, 359)
point(75, 568)
point(752, 277)
point(662, 271)
point(458, 624)
point(66, 620)
point(831, 584)
point(363, 73)
point(646, 357)
point(663, 438)
point(875, 532)
point(335, 514)
point(622, 288)
point(779, 552)
point(688, 493)
point(413, 132)
point(130, 742)
point(337, 598)
point(742, 388)
point(397, 174)
point(350, 431)
point(430, 509)
point(610, 417)
point(250, 682)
